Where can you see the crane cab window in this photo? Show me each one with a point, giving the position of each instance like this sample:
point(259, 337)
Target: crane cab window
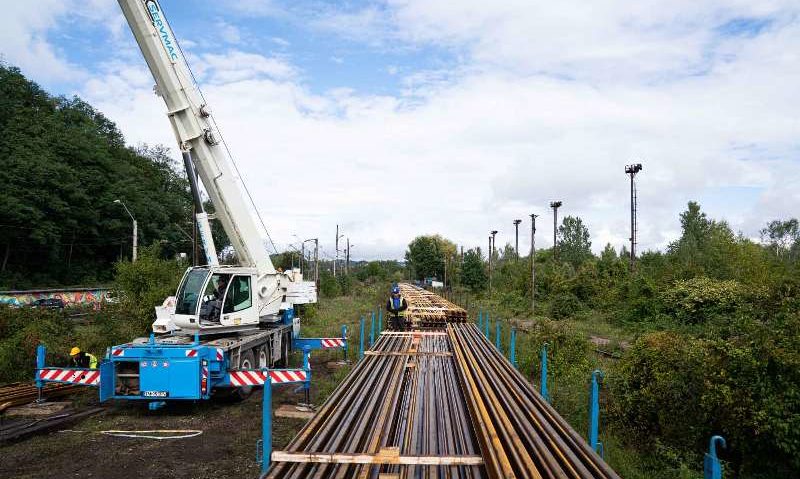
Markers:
point(212, 297)
point(189, 292)
point(238, 297)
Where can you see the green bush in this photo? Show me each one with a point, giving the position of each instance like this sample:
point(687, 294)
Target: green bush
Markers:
point(23, 329)
point(683, 389)
point(699, 299)
point(565, 305)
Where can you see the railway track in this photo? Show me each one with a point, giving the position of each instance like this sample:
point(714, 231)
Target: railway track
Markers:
point(436, 403)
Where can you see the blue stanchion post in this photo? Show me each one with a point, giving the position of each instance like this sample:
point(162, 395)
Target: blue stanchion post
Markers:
point(361, 354)
point(512, 347)
point(266, 426)
point(346, 348)
point(372, 330)
point(307, 368)
point(712, 468)
point(41, 353)
point(543, 385)
point(486, 325)
point(480, 320)
point(497, 335)
point(594, 412)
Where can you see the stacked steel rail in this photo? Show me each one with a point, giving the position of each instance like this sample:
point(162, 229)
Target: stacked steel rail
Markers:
point(520, 433)
point(436, 404)
point(400, 410)
point(426, 309)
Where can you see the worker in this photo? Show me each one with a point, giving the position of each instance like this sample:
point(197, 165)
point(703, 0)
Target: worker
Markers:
point(211, 307)
point(82, 359)
point(396, 307)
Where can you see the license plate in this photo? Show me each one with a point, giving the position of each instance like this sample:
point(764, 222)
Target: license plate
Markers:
point(155, 394)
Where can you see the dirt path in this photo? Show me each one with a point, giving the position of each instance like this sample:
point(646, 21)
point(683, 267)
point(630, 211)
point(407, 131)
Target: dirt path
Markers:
point(225, 449)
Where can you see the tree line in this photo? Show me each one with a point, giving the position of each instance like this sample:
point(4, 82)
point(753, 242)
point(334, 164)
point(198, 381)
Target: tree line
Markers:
point(706, 334)
point(64, 164)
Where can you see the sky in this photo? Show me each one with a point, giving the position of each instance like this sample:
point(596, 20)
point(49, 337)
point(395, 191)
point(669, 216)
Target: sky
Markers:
point(405, 117)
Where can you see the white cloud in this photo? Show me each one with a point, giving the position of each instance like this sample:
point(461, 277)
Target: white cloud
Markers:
point(229, 33)
point(549, 103)
point(235, 65)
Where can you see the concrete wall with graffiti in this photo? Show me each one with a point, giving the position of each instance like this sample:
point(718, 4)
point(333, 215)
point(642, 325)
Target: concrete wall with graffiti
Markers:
point(70, 296)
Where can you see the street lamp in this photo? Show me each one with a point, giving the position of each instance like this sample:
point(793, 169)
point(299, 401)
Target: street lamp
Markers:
point(516, 236)
point(135, 229)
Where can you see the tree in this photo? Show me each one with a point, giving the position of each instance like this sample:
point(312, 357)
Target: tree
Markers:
point(783, 238)
point(427, 254)
point(473, 271)
point(574, 245)
point(705, 247)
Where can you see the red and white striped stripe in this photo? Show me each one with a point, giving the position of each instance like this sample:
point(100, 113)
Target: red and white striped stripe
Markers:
point(191, 353)
point(257, 378)
point(332, 342)
point(220, 355)
point(76, 376)
point(118, 352)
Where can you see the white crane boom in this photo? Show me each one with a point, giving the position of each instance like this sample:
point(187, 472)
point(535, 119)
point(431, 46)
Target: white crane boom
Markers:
point(195, 133)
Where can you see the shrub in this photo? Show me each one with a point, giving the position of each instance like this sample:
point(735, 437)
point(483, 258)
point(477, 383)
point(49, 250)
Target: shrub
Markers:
point(565, 305)
point(699, 299)
point(682, 389)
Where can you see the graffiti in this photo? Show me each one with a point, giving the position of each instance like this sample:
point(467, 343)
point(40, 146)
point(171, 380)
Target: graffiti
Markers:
point(70, 297)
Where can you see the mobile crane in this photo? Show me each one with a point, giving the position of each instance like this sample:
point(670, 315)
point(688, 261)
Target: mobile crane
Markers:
point(222, 319)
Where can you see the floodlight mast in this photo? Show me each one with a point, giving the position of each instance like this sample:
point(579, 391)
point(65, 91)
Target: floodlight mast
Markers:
point(632, 170)
point(555, 205)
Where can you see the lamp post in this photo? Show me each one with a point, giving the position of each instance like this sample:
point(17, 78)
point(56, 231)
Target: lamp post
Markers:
point(135, 230)
point(516, 236)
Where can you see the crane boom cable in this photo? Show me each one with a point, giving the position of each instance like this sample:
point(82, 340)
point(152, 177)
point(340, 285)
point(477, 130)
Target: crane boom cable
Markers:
point(222, 137)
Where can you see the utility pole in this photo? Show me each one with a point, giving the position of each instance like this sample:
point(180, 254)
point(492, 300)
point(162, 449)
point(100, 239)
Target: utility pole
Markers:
point(533, 262)
point(492, 243)
point(336, 257)
point(316, 262)
point(516, 236)
point(555, 205)
point(347, 261)
point(632, 170)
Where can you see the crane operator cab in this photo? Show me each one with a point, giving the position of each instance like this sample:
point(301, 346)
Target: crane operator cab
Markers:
point(211, 298)
point(211, 307)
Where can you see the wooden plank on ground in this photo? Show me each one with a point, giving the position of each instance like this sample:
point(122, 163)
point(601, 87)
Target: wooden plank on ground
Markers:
point(381, 458)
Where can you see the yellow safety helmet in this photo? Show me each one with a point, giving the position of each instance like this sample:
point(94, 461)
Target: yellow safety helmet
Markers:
point(75, 351)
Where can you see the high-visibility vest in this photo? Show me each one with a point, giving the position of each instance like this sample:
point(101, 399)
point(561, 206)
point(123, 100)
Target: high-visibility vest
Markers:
point(391, 301)
point(92, 361)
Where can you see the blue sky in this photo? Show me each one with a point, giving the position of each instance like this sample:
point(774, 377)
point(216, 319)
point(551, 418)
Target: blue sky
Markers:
point(340, 112)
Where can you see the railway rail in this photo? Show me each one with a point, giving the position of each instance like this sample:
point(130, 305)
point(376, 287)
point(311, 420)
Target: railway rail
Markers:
point(440, 402)
point(17, 394)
